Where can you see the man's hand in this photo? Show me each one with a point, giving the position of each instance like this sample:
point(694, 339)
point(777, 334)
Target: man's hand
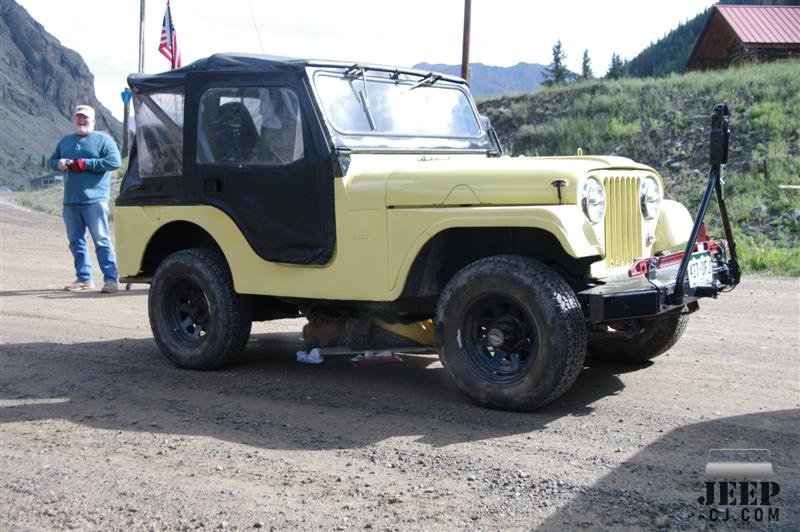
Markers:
point(62, 164)
point(77, 166)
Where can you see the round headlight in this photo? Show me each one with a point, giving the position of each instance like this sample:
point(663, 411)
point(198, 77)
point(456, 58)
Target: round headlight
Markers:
point(593, 200)
point(649, 198)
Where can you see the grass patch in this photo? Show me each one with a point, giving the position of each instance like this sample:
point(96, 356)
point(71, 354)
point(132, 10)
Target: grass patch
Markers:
point(756, 256)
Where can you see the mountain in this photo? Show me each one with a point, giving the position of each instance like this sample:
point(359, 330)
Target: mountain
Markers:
point(488, 80)
point(670, 53)
point(40, 84)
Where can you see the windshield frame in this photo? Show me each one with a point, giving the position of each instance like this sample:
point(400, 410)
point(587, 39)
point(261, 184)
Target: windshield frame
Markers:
point(389, 141)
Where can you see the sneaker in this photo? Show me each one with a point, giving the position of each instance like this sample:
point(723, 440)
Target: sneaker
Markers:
point(78, 285)
point(109, 287)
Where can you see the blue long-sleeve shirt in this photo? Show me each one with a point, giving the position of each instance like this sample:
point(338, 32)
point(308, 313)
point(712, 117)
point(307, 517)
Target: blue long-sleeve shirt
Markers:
point(101, 156)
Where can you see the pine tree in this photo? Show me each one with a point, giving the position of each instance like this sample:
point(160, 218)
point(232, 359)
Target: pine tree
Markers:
point(617, 68)
point(556, 72)
point(586, 66)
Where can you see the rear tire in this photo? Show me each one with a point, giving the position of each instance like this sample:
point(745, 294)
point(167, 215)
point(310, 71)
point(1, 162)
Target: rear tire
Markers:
point(511, 333)
point(198, 320)
point(654, 336)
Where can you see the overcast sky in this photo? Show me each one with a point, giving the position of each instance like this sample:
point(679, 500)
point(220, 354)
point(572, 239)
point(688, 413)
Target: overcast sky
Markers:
point(504, 32)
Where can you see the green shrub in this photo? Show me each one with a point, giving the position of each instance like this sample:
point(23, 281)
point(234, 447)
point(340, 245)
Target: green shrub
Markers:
point(763, 257)
point(619, 129)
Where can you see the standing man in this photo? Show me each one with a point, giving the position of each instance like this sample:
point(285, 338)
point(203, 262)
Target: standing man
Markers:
point(88, 157)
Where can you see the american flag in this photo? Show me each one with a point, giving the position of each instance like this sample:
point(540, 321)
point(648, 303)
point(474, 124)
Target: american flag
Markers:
point(169, 40)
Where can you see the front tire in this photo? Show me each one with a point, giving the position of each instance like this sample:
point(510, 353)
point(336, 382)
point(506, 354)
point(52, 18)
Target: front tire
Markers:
point(511, 333)
point(198, 320)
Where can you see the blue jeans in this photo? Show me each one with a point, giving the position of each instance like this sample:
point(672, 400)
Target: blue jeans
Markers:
point(94, 217)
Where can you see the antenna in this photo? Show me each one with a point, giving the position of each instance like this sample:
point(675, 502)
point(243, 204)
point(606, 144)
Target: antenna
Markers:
point(258, 33)
point(141, 36)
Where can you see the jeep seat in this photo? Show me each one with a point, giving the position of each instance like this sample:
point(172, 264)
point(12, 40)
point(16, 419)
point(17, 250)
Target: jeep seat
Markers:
point(235, 133)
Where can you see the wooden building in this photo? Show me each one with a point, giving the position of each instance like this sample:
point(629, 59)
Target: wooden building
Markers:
point(46, 181)
point(735, 35)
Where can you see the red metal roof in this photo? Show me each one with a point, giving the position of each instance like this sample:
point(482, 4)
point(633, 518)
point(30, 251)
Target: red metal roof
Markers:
point(774, 25)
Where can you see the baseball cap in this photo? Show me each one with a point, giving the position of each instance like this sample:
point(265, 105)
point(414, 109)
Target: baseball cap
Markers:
point(84, 110)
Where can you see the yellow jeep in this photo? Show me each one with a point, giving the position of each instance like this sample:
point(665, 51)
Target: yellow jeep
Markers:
point(263, 188)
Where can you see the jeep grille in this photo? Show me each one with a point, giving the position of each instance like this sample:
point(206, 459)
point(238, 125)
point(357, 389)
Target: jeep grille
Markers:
point(623, 221)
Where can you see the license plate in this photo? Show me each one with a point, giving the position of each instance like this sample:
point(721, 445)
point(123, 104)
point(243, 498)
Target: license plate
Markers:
point(700, 269)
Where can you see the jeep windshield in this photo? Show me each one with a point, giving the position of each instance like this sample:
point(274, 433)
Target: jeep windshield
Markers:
point(372, 108)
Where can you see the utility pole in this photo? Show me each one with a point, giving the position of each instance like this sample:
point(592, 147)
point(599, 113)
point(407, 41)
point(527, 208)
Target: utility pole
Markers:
point(141, 36)
point(465, 48)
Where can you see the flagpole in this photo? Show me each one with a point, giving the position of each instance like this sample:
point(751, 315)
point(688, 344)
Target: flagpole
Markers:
point(141, 36)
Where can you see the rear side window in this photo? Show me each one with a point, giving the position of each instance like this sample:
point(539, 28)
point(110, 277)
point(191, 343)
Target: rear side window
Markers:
point(159, 133)
point(249, 125)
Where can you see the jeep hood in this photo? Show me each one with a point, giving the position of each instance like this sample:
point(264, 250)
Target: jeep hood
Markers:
point(459, 181)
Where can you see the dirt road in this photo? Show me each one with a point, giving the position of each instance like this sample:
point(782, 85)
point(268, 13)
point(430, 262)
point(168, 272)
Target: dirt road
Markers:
point(100, 432)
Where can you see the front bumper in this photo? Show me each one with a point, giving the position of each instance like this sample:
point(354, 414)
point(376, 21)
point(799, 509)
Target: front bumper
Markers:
point(653, 291)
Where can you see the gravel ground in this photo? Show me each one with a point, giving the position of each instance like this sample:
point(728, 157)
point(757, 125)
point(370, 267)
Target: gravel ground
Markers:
point(100, 432)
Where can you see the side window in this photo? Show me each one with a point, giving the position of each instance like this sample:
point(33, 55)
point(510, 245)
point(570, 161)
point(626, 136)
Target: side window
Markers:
point(159, 133)
point(249, 125)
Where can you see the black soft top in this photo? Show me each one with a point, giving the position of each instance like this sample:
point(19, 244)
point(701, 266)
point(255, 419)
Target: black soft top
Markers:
point(238, 62)
point(286, 212)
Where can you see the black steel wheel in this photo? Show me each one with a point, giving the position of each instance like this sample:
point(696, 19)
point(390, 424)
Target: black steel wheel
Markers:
point(510, 333)
point(500, 338)
point(198, 320)
point(187, 311)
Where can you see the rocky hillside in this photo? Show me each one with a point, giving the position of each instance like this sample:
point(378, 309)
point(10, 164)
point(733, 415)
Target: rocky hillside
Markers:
point(40, 83)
